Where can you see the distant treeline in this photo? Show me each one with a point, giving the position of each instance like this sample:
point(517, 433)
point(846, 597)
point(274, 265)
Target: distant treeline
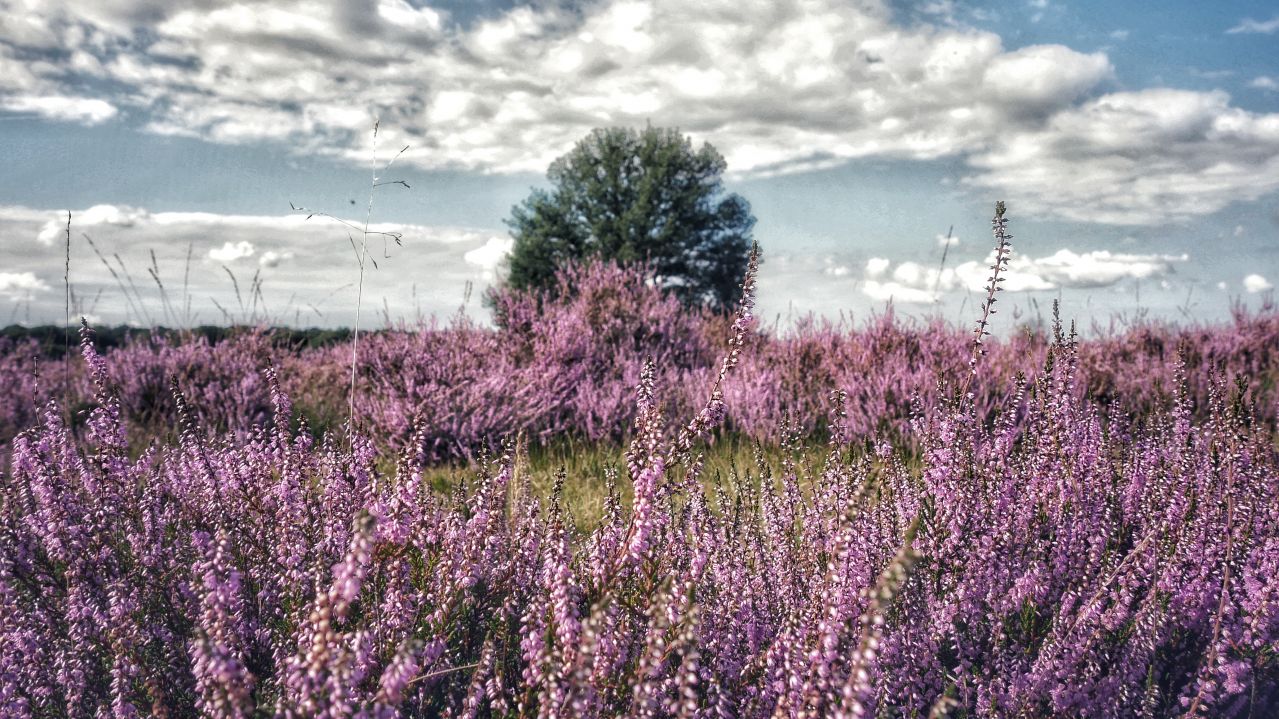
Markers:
point(51, 338)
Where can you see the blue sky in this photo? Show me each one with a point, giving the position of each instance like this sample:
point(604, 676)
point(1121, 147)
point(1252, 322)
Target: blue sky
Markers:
point(1138, 151)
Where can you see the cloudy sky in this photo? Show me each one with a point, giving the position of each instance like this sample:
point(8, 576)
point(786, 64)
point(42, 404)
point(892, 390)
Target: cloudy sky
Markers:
point(1138, 152)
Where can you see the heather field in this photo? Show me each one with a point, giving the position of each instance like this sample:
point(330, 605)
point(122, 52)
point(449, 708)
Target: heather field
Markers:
point(639, 359)
point(611, 506)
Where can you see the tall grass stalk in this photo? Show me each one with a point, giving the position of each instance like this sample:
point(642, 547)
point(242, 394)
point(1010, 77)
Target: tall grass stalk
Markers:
point(124, 290)
point(945, 250)
point(359, 292)
point(362, 258)
point(128, 276)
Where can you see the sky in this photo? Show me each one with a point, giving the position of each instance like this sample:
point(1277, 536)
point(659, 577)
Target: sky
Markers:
point(1138, 151)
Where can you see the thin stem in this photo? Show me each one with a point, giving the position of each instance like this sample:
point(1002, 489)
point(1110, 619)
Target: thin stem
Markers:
point(442, 672)
point(945, 250)
point(114, 275)
point(359, 294)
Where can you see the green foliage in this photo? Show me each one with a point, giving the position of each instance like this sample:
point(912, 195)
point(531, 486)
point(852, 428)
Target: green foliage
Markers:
point(726, 462)
point(630, 196)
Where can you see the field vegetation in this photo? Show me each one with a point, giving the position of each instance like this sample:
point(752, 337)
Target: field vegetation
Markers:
point(613, 505)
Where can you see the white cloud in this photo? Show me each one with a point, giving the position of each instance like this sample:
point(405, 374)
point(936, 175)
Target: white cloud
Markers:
point(767, 82)
point(1256, 283)
point(909, 282)
point(18, 213)
point(14, 285)
point(1022, 275)
point(777, 87)
point(1250, 26)
point(947, 240)
point(113, 215)
point(118, 215)
point(51, 230)
point(897, 292)
point(86, 111)
point(1119, 35)
point(939, 8)
point(232, 251)
point(489, 256)
point(1136, 158)
point(877, 266)
point(912, 282)
point(1040, 8)
point(272, 258)
point(1044, 76)
point(1265, 82)
point(1098, 268)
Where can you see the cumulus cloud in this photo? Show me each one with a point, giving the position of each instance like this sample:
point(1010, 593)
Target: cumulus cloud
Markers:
point(835, 269)
point(885, 291)
point(1264, 82)
point(1255, 283)
point(778, 87)
point(1099, 268)
point(232, 251)
point(1136, 158)
point(915, 283)
point(306, 268)
point(908, 282)
point(113, 215)
point(15, 285)
point(489, 256)
point(84, 110)
point(272, 258)
point(1255, 27)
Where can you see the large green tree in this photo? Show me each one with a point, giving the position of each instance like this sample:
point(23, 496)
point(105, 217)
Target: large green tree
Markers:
point(629, 196)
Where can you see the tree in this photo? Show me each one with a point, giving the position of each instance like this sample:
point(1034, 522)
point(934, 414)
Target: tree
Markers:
point(632, 196)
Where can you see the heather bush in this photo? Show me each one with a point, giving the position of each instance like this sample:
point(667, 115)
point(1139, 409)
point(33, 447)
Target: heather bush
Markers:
point(222, 380)
point(23, 393)
point(887, 371)
point(561, 363)
point(1139, 366)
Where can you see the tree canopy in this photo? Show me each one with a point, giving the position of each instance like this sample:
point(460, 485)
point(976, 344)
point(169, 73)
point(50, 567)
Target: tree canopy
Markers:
point(630, 196)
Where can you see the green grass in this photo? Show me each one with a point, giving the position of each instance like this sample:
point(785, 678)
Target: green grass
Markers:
point(585, 467)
